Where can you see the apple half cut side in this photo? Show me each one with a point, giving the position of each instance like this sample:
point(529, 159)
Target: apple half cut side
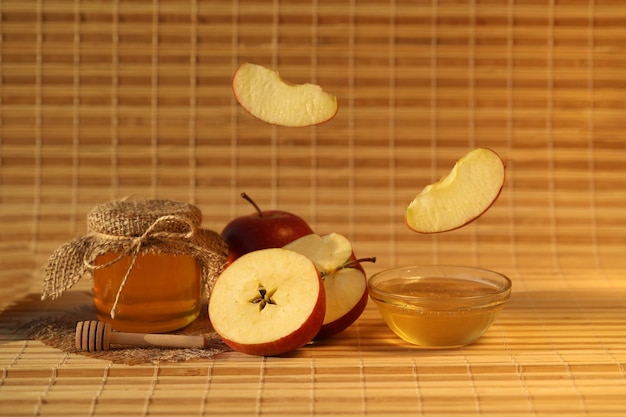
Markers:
point(462, 196)
point(345, 282)
point(268, 302)
point(266, 96)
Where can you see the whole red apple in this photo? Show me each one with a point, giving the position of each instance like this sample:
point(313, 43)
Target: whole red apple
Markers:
point(262, 230)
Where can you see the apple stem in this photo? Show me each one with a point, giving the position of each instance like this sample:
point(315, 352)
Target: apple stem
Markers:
point(251, 201)
point(350, 263)
point(358, 261)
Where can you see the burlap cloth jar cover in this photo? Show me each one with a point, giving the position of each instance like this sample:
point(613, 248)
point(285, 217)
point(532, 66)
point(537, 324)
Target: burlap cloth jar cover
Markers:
point(131, 227)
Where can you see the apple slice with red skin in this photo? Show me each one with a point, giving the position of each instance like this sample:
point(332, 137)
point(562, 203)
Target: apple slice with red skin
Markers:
point(266, 96)
point(262, 230)
point(268, 302)
point(345, 282)
point(466, 193)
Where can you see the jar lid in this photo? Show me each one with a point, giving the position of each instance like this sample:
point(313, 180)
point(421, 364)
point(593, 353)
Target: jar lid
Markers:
point(131, 218)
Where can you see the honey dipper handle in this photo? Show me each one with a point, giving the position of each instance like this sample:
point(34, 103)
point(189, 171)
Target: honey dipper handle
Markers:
point(156, 340)
point(95, 336)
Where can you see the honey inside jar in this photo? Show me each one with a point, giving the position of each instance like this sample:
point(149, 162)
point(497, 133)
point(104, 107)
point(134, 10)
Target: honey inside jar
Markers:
point(436, 311)
point(162, 292)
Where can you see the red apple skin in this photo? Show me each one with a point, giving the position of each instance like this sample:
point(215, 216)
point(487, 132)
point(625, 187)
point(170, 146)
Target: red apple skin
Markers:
point(335, 327)
point(270, 229)
point(293, 341)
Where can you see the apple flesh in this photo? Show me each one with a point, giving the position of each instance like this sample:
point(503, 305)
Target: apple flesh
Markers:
point(468, 191)
point(262, 230)
point(345, 282)
point(268, 302)
point(263, 93)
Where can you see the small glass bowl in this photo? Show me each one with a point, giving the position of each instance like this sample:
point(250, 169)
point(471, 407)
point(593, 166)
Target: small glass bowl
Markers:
point(439, 306)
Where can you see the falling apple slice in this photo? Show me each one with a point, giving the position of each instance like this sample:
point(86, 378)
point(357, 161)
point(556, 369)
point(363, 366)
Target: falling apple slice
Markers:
point(460, 197)
point(345, 283)
point(267, 97)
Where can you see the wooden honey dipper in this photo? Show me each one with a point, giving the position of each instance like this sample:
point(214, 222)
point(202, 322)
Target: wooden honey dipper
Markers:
point(95, 336)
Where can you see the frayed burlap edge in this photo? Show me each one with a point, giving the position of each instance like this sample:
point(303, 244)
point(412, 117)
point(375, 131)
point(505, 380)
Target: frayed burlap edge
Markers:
point(58, 331)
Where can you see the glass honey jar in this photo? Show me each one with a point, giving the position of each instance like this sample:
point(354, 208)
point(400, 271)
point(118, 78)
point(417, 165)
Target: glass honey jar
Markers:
point(161, 293)
point(150, 261)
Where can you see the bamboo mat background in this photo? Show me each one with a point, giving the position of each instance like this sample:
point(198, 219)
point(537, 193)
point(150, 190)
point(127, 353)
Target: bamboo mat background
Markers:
point(102, 100)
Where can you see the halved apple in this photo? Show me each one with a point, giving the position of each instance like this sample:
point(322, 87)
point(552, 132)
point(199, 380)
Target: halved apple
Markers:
point(268, 302)
point(344, 278)
point(266, 96)
point(460, 197)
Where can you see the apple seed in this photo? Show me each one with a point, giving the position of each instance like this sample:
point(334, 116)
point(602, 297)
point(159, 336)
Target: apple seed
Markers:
point(264, 298)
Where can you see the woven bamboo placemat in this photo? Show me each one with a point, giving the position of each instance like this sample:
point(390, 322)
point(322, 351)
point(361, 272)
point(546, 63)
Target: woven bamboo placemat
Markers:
point(552, 351)
point(103, 100)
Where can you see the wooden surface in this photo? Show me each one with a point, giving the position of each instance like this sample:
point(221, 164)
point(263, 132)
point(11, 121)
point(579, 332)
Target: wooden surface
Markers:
point(102, 100)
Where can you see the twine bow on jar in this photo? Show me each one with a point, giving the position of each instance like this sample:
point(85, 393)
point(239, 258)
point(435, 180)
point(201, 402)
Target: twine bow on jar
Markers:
point(128, 228)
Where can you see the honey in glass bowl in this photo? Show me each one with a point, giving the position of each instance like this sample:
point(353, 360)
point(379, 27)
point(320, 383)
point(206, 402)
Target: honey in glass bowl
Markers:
point(439, 306)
